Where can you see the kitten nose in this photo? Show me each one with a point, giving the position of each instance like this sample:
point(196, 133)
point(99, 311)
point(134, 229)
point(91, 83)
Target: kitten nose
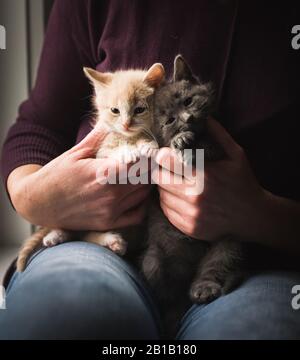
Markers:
point(126, 124)
point(185, 116)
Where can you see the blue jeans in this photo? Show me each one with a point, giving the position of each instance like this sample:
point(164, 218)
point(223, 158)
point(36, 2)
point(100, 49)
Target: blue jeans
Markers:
point(79, 290)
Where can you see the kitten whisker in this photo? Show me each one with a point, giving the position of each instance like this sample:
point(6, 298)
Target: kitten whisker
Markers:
point(149, 132)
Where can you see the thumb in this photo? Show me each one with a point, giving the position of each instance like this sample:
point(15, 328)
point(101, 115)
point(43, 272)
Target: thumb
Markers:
point(222, 137)
point(89, 146)
point(168, 159)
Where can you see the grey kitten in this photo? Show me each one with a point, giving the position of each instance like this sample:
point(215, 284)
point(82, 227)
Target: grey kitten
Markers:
point(182, 270)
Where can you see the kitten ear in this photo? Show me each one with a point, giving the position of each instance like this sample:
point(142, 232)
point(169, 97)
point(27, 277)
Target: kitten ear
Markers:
point(182, 71)
point(97, 78)
point(155, 75)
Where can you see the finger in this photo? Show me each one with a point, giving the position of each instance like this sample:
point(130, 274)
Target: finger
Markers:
point(178, 204)
point(89, 146)
point(111, 171)
point(169, 181)
point(172, 201)
point(175, 184)
point(175, 218)
point(170, 160)
point(220, 134)
point(131, 217)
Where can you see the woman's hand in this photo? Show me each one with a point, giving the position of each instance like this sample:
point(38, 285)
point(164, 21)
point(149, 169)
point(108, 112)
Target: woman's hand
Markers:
point(232, 202)
point(66, 192)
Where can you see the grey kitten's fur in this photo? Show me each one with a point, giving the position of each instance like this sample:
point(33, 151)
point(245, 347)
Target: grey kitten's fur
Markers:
point(179, 269)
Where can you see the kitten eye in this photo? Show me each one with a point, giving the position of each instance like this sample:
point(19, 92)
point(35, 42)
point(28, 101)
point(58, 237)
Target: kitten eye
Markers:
point(115, 111)
point(170, 120)
point(139, 110)
point(187, 101)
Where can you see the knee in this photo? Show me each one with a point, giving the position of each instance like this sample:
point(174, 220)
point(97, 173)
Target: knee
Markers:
point(80, 290)
point(259, 309)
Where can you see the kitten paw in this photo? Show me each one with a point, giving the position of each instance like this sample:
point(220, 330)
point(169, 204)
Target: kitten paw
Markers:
point(110, 240)
point(183, 141)
point(55, 237)
point(148, 149)
point(205, 292)
point(126, 155)
point(187, 157)
point(116, 243)
point(131, 156)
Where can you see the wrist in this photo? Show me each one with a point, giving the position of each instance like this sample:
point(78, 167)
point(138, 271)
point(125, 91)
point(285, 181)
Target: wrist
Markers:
point(21, 197)
point(256, 218)
point(273, 220)
point(280, 228)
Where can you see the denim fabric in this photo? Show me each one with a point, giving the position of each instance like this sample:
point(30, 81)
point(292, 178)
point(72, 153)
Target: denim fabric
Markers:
point(79, 290)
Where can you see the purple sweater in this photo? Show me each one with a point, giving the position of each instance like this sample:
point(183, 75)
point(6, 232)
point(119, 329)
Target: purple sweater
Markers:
point(242, 46)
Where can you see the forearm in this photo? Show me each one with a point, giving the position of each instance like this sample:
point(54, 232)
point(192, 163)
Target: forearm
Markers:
point(16, 186)
point(48, 121)
point(277, 224)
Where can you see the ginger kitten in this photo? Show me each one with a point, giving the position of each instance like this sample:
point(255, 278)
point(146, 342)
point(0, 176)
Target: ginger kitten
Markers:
point(123, 101)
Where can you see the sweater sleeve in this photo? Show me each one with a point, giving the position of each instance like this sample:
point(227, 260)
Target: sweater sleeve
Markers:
point(48, 121)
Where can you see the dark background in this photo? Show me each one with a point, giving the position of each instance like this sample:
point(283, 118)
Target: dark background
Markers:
point(25, 22)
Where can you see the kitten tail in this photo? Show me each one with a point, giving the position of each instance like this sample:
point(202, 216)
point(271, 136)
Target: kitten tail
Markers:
point(31, 244)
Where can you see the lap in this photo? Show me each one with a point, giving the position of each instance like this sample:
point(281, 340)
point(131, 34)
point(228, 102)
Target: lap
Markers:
point(259, 309)
point(81, 289)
